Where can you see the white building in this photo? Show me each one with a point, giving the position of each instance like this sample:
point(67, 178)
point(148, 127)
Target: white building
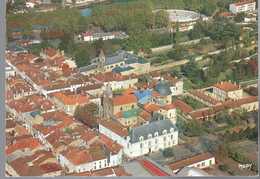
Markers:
point(227, 90)
point(243, 6)
point(77, 160)
point(90, 36)
point(143, 139)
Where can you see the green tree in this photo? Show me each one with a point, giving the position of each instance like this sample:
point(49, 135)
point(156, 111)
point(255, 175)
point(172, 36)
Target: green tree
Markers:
point(81, 57)
point(161, 19)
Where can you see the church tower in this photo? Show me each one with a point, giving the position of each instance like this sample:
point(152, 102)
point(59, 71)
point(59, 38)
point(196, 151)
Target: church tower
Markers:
point(107, 102)
point(102, 60)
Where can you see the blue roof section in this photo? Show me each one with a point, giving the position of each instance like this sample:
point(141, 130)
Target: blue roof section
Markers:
point(143, 96)
point(122, 69)
point(86, 12)
point(118, 57)
point(115, 58)
point(123, 56)
point(34, 113)
point(39, 27)
point(163, 88)
point(88, 67)
point(16, 48)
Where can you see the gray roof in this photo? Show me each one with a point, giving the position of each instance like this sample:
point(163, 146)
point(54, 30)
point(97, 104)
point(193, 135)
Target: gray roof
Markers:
point(115, 58)
point(121, 56)
point(88, 67)
point(145, 130)
point(163, 88)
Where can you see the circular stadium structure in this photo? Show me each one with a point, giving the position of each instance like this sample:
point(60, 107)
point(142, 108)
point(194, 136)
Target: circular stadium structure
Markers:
point(183, 16)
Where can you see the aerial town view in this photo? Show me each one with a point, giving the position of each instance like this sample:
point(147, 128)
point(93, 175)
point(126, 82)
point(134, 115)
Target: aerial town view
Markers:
point(131, 88)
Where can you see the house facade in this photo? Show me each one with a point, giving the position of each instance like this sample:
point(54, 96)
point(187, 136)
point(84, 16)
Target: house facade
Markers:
point(146, 138)
point(243, 6)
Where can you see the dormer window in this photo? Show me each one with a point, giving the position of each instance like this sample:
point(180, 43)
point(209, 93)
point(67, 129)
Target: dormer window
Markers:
point(156, 134)
point(141, 138)
point(149, 136)
point(164, 132)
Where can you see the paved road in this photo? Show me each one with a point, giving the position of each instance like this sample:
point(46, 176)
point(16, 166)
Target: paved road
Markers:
point(184, 61)
point(168, 47)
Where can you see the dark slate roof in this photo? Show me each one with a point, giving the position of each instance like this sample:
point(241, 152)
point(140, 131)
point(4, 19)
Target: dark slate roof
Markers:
point(121, 56)
point(145, 130)
point(163, 88)
point(122, 69)
point(88, 67)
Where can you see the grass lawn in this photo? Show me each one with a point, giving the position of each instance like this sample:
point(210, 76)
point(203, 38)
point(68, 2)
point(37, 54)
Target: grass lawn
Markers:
point(195, 104)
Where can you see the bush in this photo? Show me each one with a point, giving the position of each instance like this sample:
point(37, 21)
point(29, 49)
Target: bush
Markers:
point(168, 152)
point(223, 167)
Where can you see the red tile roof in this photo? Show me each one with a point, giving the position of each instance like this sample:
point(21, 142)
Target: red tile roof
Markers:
point(189, 161)
point(230, 104)
point(77, 156)
point(50, 167)
point(110, 144)
point(150, 107)
point(71, 99)
point(22, 144)
point(169, 106)
point(115, 127)
point(227, 86)
point(241, 3)
point(185, 108)
point(124, 99)
point(153, 169)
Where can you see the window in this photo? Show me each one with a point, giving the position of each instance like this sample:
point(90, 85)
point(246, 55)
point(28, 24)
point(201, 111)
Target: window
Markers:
point(141, 145)
point(149, 143)
point(121, 108)
point(164, 139)
point(171, 137)
point(210, 162)
point(164, 132)
point(156, 141)
point(203, 164)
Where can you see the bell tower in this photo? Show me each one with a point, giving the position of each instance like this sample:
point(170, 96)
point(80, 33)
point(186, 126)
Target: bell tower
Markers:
point(102, 60)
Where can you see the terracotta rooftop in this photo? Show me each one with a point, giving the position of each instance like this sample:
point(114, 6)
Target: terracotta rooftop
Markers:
point(71, 99)
point(35, 165)
point(241, 3)
point(50, 52)
point(31, 103)
point(204, 97)
point(169, 106)
point(110, 144)
point(230, 104)
point(77, 156)
point(185, 108)
point(118, 171)
point(227, 86)
point(124, 99)
point(22, 144)
point(189, 161)
point(150, 107)
point(115, 127)
point(110, 76)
